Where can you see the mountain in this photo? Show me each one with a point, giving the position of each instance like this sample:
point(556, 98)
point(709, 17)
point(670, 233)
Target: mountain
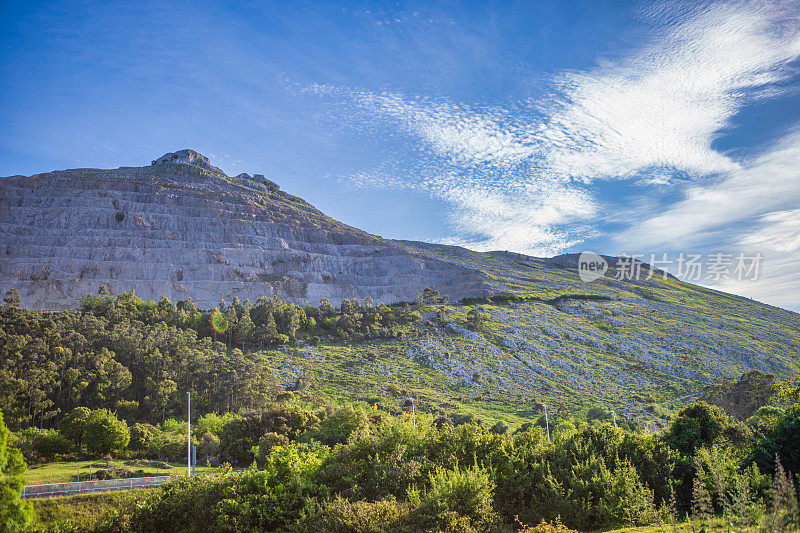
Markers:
point(182, 228)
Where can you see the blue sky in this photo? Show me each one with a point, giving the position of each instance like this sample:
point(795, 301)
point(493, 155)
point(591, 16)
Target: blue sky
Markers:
point(538, 127)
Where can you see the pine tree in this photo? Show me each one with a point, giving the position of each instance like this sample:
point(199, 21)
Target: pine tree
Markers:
point(270, 329)
point(245, 331)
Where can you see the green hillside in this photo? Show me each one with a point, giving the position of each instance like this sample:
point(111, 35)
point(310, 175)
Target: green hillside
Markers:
point(640, 347)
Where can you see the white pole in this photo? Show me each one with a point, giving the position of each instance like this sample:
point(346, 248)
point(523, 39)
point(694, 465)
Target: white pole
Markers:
point(189, 435)
point(614, 415)
point(547, 422)
point(413, 414)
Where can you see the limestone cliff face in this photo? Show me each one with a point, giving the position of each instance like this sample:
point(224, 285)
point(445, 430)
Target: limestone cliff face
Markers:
point(181, 228)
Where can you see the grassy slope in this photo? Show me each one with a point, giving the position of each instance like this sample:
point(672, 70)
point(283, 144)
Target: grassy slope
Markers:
point(648, 350)
point(85, 509)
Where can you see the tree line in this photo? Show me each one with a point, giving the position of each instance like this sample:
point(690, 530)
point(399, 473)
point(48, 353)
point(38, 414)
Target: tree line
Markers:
point(133, 356)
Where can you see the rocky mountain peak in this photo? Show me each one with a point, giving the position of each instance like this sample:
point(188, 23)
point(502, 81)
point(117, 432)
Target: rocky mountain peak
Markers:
point(182, 228)
point(187, 157)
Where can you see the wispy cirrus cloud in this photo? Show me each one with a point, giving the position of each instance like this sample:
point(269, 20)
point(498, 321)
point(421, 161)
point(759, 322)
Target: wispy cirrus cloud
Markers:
point(776, 236)
point(523, 176)
point(779, 230)
point(662, 108)
point(756, 188)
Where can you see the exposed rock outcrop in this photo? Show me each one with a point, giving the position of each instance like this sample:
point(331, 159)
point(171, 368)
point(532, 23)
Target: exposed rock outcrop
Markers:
point(187, 157)
point(182, 228)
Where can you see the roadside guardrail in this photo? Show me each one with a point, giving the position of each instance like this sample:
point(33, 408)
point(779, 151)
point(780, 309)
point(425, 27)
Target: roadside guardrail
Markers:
point(83, 487)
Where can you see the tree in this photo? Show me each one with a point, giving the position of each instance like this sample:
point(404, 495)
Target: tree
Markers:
point(430, 296)
point(294, 321)
point(325, 307)
point(142, 435)
point(742, 398)
point(73, 425)
point(269, 331)
point(788, 394)
point(105, 433)
point(208, 445)
point(697, 425)
point(15, 515)
point(782, 441)
point(162, 394)
point(245, 331)
point(11, 299)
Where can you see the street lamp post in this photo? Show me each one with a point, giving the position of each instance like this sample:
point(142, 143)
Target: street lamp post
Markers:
point(189, 434)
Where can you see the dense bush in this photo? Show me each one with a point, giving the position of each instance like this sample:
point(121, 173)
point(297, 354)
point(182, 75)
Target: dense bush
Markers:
point(338, 425)
point(341, 515)
point(456, 494)
point(781, 440)
point(51, 444)
point(247, 501)
point(241, 434)
point(15, 515)
point(73, 425)
point(142, 436)
point(104, 433)
point(339, 470)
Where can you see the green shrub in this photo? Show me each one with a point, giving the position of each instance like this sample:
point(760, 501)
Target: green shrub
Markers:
point(142, 436)
point(50, 444)
point(171, 425)
point(105, 433)
point(343, 516)
point(587, 478)
point(545, 527)
point(208, 445)
point(461, 492)
point(385, 463)
point(241, 434)
point(782, 441)
point(14, 513)
point(245, 501)
point(211, 423)
point(168, 446)
point(268, 442)
point(339, 425)
point(500, 428)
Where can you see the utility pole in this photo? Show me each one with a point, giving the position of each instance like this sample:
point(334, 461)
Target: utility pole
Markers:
point(546, 422)
point(413, 414)
point(189, 434)
point(614, 416)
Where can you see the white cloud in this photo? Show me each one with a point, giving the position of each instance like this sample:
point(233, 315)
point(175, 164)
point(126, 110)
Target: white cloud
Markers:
point(520, 221)
point(768, 183)
point(519, 177)
point(777, 283)
point(779, 231)
point(776, 237)
point(663, 107)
